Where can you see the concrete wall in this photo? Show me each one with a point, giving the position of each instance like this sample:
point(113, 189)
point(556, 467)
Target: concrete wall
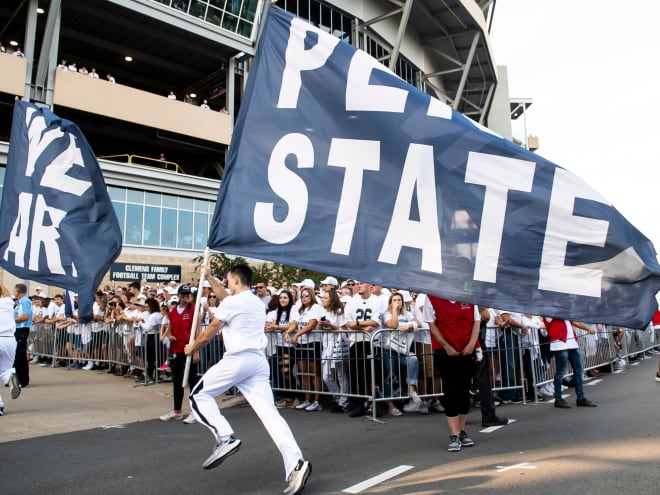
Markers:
point(12, 74)
point(121, 102)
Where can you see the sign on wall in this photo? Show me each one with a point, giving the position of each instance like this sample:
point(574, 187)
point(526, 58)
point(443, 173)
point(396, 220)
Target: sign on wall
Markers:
point(133, 272)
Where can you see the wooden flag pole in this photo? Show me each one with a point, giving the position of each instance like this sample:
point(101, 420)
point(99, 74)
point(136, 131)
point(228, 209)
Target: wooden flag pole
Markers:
point(186, 373)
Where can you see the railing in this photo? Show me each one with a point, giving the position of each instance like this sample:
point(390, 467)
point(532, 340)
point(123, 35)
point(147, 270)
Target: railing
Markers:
point(147, 161)
point(346, 364)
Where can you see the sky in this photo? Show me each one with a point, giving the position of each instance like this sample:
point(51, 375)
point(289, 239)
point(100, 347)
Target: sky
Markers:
point(592, 69)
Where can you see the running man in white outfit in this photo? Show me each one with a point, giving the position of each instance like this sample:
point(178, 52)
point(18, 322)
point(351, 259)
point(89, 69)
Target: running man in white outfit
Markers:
point(241, 319)
point(7, 346)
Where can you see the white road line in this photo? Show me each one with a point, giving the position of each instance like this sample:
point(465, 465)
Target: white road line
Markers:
point(522, 465)
point(594, 382)
point(109, 427)
point(491, 429)
point(377, 479)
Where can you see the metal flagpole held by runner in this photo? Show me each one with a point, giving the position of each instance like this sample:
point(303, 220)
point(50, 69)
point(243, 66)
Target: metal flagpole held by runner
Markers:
point(186, 373)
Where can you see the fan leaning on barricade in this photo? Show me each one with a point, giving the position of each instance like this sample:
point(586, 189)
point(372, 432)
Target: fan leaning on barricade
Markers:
point(308, 350)
point(363, 313)
point(396, 352)
point(565, 349)
point(335, 349)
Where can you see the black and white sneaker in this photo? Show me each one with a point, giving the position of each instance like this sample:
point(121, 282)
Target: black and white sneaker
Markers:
point(2, 411)
point(221, 451)
point(14, 387)
point(298, 478)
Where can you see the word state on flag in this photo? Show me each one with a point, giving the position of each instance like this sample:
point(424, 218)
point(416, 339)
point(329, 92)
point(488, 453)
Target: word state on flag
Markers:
point(57, 224)
point(338, 165)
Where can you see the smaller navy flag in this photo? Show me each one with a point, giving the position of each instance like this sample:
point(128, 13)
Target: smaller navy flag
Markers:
point(57, 223)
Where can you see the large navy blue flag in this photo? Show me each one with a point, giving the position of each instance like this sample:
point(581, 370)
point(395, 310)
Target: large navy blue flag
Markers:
point(339, 166)
point(57, 224)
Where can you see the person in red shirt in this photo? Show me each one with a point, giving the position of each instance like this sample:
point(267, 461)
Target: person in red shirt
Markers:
point(656, 327)
point(564, 347)
point(181, 320)
point(454, 330)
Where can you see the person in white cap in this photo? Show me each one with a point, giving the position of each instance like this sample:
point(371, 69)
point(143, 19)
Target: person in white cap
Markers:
point(328, 283)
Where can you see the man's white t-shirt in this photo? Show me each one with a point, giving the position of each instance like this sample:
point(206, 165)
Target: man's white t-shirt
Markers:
point(7, 323)
point(244, 318)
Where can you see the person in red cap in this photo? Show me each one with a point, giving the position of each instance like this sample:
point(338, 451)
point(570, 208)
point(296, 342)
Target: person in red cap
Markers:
point(181, 320)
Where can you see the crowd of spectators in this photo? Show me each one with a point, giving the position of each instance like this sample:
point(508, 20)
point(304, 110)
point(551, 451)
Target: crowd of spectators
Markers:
point(313, 370)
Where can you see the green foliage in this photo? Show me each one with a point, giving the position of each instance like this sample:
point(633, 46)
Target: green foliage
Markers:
point(278, 273)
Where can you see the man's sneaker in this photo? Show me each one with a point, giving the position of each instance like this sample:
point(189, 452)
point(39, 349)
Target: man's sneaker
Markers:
point(221, 451)
point(14, 387)
point(357, 411)
point(584, 402)
point(171, 416)
point(423, 408)
point(562, 404)
point(314, 406)
point(395, 412)
point(657, 377)
point(89, 365)
point(303, 405)
point(190, 419)
point(493, 421)
point(2, 411)
point(35, 360)
point(454, 444)
point(412, 407)
point(465, 440)
point(298, 478)
point(415, 397)
point(437, 407)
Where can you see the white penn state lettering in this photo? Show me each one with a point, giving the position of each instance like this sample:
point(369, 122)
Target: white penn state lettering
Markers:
point(55, 175)
point(288, 186)
point(362, 96)
point(38, 141)
point(418, 173)
point(356, 156)
point(298, 60)
point(36, 230)
point(564, 227)
point(499, 175)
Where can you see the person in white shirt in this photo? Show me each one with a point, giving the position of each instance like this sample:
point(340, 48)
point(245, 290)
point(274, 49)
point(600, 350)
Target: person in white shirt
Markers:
point(304, 319)
point(7, 346)
point(241, 319)
point(171, 96)
point(205, 105)
point(363, 313)
point(93, 74)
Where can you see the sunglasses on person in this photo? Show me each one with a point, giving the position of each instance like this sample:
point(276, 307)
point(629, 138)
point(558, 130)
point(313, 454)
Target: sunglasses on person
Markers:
point(213, 296)
point(260, 287)
point(305, 295)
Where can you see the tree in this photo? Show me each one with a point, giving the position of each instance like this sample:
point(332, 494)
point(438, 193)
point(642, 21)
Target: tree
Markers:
point(278, 273)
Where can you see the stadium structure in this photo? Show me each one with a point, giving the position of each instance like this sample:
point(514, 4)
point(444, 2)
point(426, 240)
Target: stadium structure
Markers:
point(163, 158)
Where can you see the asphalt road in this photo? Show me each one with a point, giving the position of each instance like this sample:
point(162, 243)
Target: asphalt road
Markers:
point(611, 449)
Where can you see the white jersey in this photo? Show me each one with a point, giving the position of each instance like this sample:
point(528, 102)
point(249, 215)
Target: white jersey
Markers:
point(303, 317)
point(360, 309)
point(276, 337)
point(244, 318)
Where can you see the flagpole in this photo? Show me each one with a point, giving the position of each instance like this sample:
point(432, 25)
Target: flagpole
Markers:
point(186, 373)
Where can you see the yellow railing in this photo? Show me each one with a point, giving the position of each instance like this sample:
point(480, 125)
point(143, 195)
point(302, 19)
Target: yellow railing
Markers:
point(146, 161)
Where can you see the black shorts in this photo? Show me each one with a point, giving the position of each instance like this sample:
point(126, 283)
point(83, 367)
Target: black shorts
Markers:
point(308, 351)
